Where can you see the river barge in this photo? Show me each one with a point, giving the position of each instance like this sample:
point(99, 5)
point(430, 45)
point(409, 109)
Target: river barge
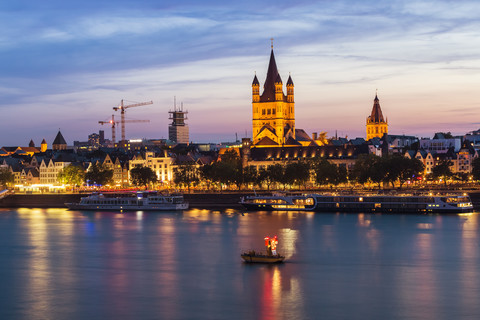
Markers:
point(279, 202)
point(408, 203)
point(130, 201)
point(381, 203)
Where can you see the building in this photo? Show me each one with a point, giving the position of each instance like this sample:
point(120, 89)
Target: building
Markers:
point(273, 112)
point(59, 143)
point(441, 143)
point(161, 165)
point(376, 125)
point(178, 129)
point(49, 170)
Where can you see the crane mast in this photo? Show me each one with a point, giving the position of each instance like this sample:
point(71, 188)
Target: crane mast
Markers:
point(122, 107)
point(113, 123)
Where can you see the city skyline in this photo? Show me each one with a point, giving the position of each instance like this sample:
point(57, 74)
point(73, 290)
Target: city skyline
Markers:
point(70, 64)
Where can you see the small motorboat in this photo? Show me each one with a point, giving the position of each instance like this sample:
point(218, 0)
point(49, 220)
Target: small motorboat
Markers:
point(271, 255)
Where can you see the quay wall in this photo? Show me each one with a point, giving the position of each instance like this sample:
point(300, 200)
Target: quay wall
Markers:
point(197, 201)
point(210, 201)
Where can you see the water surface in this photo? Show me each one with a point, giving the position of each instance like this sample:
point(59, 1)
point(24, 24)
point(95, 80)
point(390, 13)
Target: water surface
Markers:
point(60, 264)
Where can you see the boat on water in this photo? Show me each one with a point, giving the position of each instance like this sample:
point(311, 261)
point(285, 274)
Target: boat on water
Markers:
point(279, 202)
point(376, 203)
point(270, 256)
point(130, 201)
point(398, 203)
point(3, 193)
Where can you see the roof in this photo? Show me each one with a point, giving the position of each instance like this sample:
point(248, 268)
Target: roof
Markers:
point(292, 142)
point(376, 115)
point(255, 81)
point(266, 141)
point(301, 135)
point(289, 81)
point(267, 127)
point(59, 139)
point(269, 85)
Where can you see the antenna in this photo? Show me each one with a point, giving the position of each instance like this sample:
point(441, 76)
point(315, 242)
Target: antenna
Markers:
point(271, 39)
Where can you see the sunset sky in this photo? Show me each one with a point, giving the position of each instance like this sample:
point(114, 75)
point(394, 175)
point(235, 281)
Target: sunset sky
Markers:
point(66, 64)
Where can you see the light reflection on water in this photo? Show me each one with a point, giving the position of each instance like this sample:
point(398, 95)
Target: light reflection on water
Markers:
point(59, 264)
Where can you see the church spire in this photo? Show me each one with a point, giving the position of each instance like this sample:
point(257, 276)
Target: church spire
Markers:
point(269, 85)
point(376, 115)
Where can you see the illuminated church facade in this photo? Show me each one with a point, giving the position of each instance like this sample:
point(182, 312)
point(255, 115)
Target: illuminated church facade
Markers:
point(376, 125)
point(273, 112)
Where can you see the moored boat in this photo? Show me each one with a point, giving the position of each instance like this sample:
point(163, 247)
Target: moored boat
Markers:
point(279, 202)
point(271, 255)
point(398, 203)
point(130, 201)
point(376, 203)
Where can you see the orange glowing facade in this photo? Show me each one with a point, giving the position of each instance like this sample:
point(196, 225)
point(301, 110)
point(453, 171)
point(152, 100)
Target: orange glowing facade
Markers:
point(273, 112)
point(376, 125)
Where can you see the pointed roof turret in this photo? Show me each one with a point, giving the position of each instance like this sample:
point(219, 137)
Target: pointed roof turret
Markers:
point(269, 85)
point(59, 139)
point(376, 115)
point(289, 81)
point(278, 79)
point(43, 141)
point(31, 144)
point(255, 81)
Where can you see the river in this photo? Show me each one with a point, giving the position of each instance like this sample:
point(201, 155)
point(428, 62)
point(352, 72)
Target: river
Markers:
point(60, 264)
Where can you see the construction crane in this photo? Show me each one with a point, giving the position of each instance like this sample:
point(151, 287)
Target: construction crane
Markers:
point(122, 109)
point(113, 123)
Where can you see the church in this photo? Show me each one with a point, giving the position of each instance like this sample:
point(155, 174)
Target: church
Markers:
point(273, 112)
point(376, 125)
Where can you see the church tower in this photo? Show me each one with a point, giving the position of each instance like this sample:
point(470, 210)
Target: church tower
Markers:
point(273, 112)
point(43, 146)
point(376, 125)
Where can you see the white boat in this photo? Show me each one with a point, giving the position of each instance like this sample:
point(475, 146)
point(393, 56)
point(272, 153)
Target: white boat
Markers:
point(3, 193)
point(279, 202)
point(129, 201)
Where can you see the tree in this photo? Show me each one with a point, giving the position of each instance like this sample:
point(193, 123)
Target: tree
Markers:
point(72, 174)
point(6, 177)
point(142, 176)
point(442, 170)
point(250, 175)
point(325, 172)
point(408, 168)
point(186, 175)
point(476, 168)
point(296, 173)
point(369, 168)
point(99, 174)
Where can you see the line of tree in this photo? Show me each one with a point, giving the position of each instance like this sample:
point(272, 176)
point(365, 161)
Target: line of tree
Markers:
point(386, 170)
point(6, 177)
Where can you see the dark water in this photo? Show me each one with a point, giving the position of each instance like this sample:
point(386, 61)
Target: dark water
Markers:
point(59, 264)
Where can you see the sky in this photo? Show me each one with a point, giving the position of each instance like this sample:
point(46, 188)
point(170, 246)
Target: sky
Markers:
point(66, 64)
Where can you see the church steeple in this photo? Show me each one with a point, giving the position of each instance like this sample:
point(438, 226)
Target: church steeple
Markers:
point(290, 87)
point(376, 124)
point(255, 89)
point(269, 85)
point(273, 112)
point(376, 115)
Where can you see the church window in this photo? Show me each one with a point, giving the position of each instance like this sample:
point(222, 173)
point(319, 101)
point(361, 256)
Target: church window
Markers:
point(273, 111)
point(376, 130)
point(263, 111)
point(269, 111)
